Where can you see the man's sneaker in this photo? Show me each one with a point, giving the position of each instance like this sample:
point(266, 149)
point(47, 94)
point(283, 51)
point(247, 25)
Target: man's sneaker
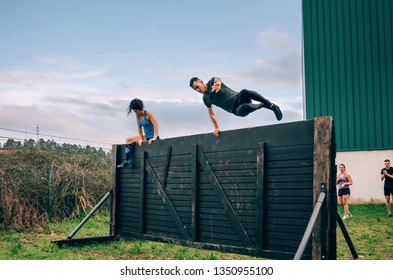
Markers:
point(125, 164)
point(345, 217)
point(276, 111)
point(390, 215)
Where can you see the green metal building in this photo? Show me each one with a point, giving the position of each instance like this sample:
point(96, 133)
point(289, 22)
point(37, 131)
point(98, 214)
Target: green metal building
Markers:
point(348, 74)
point(348, 69)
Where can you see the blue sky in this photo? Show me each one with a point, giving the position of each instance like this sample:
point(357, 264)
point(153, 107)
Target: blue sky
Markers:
point(72, 67)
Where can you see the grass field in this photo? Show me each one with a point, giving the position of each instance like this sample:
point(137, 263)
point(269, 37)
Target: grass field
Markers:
point(370, 230)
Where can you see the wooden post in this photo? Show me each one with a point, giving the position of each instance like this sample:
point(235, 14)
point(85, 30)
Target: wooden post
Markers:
point(323, 127)
point(115, 153)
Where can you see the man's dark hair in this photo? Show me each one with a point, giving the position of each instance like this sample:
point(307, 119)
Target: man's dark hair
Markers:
point(194, 79)
point(135, 104)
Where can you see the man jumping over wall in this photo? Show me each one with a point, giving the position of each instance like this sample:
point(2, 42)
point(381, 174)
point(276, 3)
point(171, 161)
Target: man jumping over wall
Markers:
point(215, 92)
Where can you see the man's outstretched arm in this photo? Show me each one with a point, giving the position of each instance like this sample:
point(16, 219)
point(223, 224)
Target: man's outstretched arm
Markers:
point(212, 116)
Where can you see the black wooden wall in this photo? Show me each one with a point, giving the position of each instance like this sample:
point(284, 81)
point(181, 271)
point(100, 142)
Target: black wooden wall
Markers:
point(250, 191)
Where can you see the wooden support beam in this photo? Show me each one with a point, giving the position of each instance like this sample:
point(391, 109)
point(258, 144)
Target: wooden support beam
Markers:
point(165, 199)
point(323, 128)
point(224, 200)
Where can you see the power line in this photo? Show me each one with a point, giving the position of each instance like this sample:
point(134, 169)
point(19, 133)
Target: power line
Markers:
point(6, 137)
point(54, 136)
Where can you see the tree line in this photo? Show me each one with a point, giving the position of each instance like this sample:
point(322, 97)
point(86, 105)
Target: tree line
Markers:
point(50, 145)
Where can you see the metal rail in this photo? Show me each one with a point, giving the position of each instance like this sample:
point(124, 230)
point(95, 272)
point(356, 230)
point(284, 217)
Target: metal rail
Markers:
point(347, 237)
point(90, 214)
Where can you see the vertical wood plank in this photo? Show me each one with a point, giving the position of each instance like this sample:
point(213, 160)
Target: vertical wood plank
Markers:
point(260, 181)
point(166, 167)
point(142, 194)
point(194, 196)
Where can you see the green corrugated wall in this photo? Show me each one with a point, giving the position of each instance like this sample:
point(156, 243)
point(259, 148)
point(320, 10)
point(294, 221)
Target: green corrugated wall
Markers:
point(348, 69)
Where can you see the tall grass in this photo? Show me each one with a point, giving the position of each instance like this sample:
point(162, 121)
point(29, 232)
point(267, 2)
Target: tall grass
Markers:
point(37, 186)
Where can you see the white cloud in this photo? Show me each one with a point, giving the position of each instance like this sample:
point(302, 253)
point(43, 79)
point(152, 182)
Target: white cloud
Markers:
point(276, 73)
point(45, 59)
point(28, 87)
point(23, 77)
point(81, 75)
point(274, 40)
